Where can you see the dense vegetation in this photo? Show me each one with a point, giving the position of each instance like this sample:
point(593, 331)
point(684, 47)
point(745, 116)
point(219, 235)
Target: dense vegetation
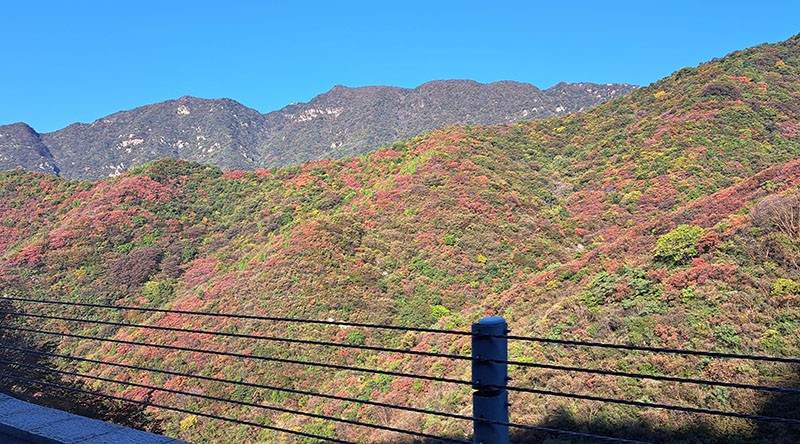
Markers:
point(666, 218)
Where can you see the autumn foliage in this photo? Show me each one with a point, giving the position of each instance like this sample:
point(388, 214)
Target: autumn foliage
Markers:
point(667, 218)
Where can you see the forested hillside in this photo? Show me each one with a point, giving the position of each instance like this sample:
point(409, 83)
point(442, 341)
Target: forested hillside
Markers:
point(665, 218)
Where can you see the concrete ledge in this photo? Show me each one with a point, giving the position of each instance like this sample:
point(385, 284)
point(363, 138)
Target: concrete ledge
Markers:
point(25, 423)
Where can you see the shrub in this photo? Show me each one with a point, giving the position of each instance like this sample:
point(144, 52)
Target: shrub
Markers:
point(355, 337)
point(678, 246)
point(158, 292)
point(727, 334)
point(439, 311)
point(136, 267)
point(785, 287)
point(779, 213)
point(722, 90)
point(599, 290)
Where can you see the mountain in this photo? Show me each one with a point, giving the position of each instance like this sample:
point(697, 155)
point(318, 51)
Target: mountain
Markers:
point(342, 122)
point(22, 147)
point(351, 121)
point(666, 218)
point(212, 131)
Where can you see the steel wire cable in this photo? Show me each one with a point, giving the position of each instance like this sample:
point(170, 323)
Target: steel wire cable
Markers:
point(175, 409)
point(653, 377)
point(416, 329)
point(243, 383)
point(238, 402)
point(431, 354)
point(420, 353)
point(340, 398)
point(655, 405)
point(242, 355)
point(708, 354)
point(242, 336)
point(448, 380)
point(241, 316)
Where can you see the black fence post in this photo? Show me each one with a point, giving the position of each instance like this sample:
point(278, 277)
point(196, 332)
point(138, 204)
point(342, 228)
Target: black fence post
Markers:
point(489, 379)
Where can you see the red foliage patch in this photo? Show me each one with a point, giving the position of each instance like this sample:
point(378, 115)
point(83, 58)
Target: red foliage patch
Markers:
point(60, 237)
point(134, 188)
point(192, 303)
point(661, 196)
point(386, 154)
point(709, 210)
point(789, 129)
point(7, 237)
point(200, 270)
point(708, 242)
point(612, 266)
point(701, 272)
point(30, 256)
point(234, 174)
point(668, 334)
point(658, 274)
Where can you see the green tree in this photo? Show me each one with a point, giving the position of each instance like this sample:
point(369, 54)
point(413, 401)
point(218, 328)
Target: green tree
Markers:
point(679, 245)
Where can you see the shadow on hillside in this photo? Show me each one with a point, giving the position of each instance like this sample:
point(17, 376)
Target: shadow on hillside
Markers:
point(19, 369)
point(702, 431)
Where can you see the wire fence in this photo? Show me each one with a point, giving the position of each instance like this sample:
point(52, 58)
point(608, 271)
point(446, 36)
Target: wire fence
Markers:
point(62, 319)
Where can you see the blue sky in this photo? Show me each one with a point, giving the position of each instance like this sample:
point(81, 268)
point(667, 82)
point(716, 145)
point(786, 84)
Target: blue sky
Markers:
point(79, 60)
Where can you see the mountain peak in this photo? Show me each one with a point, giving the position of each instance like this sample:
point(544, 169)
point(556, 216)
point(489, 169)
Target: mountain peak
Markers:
point(21, 147)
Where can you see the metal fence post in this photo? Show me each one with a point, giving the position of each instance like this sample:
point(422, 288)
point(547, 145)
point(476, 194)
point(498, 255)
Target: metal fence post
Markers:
point(489, 379)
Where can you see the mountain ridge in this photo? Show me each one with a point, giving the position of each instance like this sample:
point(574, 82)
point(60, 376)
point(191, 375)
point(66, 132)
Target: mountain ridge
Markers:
point(341, 122)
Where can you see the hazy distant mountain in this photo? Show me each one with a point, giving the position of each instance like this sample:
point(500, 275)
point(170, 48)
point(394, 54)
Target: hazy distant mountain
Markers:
point(342, 122)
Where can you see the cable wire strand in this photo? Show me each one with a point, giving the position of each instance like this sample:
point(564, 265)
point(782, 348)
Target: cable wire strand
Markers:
point(340, 398)
point(243, 383)
point(653, 377)
point(237, 402)
point(241, 335)
point(752, 357)
point(175, 409)
point(677, 351)
point(241, 316)
point(242, 356)
point(416, 329)
point(759, 418)
point(418, 353)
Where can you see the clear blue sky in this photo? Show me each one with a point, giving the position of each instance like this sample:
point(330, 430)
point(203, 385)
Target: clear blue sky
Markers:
point(79, 60)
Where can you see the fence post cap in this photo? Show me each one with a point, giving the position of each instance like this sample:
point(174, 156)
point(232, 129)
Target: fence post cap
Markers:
point(492, 320)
